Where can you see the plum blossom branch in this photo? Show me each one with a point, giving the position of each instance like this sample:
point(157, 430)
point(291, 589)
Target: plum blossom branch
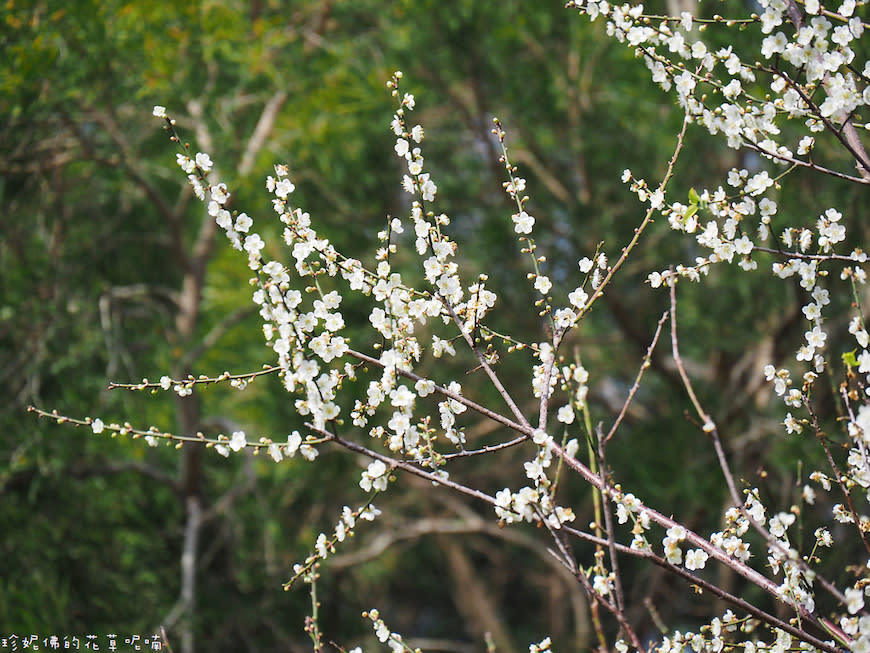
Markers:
point(656, 201)
point(395, 463)
point(714, 589)
point(465, 401)
point(316, 362)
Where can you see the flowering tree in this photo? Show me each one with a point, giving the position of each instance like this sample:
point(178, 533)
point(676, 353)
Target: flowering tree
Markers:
point(794, 98)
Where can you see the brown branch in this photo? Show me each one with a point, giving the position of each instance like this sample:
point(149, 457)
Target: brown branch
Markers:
point(23, 477)
point(708, 425)
point(713, 589)
point(261, 132)
point(647, 360)
point(497, 417)
point(808, 164)
point(647, 220)
point(173, 218)
point(215, 334)
point(394, 463)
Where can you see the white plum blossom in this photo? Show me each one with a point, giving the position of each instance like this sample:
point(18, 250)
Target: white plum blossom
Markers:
point(811, 77)
point(238, 441)
point(696, 559)
point(566, 414)
point(854, 600)
point(203, 161)
point(375, 476)
point(523, 222)
point(543, 284)
point(578, 298)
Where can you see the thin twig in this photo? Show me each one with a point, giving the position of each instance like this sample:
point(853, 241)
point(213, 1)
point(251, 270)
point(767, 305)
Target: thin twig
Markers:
point(807, 257)
point(710, 587)
point(487, 368)
point(524, 428)
point(647, 360)
point(648, 218)
point(217, 332)
point(404, 465)
point(608, 522)
point(709, 425)
point(494, 447)
point(598, 599)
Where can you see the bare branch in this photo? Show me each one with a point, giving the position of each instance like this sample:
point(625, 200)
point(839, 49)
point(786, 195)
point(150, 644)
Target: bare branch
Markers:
point(261, 132)
point(708, 425)
point(217, 332)
point(183, 611)
point(608, 521)
point(647, 359)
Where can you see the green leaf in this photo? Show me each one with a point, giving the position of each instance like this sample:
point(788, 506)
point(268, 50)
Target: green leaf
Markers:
point(849, 358)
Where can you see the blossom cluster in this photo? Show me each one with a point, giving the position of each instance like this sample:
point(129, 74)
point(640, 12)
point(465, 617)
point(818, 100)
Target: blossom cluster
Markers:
point(394, 640)
point(812, 75)
point(804, 80)
point(325, 545)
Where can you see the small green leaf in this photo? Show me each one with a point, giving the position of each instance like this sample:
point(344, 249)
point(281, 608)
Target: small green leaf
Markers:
point(849, 358)
point(694, 198)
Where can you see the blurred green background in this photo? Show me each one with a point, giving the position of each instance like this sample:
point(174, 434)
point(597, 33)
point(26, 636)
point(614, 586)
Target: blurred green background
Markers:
point(111, 272)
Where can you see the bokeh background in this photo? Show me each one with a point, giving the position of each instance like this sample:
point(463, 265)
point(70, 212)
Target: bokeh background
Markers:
point(109, 270)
